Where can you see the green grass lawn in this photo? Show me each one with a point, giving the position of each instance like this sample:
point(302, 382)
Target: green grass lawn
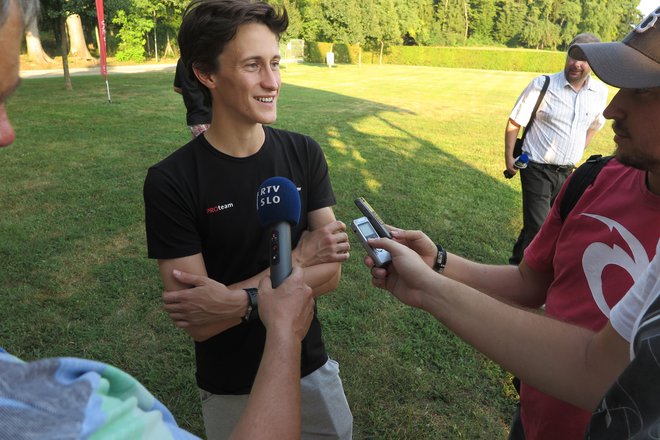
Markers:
point(422, 145)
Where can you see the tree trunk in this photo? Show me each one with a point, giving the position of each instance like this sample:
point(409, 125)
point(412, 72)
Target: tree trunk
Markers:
point(155, 38)
point(382, 45)
point(77, 37)
point(65, 50)
point(168, 47)
point(467, 23)
point(360, 55)
point(35, 51)
point(97, 36)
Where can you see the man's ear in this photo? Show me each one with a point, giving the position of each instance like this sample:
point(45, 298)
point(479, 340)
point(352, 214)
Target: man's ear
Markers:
point(208, 79)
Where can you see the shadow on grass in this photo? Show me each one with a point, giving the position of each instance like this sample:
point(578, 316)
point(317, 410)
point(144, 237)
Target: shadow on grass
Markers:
point(76, 280)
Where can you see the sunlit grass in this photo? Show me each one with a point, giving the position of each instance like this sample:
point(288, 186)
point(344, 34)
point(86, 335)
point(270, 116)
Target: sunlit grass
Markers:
point(423, 145)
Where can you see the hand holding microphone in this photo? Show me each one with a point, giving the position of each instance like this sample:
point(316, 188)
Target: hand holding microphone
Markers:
point(519, 163)
point(278, 207)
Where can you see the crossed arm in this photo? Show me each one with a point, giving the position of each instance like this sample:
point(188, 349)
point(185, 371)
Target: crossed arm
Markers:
point(204, 307)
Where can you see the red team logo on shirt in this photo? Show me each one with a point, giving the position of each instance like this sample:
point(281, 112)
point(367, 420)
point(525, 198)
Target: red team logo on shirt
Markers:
point(218, 208)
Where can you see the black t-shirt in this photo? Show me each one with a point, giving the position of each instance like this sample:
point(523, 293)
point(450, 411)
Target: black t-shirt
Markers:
point(631, 407)
point(197, 112)
point(201, 200)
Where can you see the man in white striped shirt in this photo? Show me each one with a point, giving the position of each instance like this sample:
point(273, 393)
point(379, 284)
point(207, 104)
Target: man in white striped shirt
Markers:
point(569, 115)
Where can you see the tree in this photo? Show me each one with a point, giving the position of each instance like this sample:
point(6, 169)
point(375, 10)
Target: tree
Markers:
point(35, 51)
point(312, 16)
point(381, 24)
point(452, 22)
point(295, 29)
point(538, 32)
point(135, 22)
point(415, 18)
point(482, 20)
point(628, 18)
point(78, 45)
point(601, 18)
point(609, 19)
point(509, 21)
point(568, 17)
point(342, 21)
point(55, 12)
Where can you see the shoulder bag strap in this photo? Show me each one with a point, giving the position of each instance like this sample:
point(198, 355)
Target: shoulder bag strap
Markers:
point(536, 107)
point(581, 179)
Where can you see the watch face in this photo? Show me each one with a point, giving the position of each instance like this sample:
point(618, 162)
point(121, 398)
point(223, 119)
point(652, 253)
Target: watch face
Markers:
point(440, 259)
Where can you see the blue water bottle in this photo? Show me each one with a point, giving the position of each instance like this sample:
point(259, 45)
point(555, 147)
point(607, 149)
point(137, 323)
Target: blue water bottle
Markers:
point(520, 163)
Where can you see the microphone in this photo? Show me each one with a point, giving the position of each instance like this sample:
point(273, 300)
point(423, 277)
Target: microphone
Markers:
point(278, 207)
point(520, 163)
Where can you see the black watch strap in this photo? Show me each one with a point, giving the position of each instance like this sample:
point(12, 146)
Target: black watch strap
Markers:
point(252, 310)
point(440, 259)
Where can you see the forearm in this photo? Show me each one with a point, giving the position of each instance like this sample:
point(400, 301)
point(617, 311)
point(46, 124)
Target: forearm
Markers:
point(504, 282)
point(251, 282)
point(224, 310)
point(273, 408)
point(323, 278)
point(510, 137)
point(565, 361)
point(201, 333)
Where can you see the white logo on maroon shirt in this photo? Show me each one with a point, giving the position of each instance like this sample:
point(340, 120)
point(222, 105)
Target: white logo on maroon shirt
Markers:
point(599, 255)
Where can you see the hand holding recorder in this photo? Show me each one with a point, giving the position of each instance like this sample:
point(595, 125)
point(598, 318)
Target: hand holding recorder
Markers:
point(368, 227)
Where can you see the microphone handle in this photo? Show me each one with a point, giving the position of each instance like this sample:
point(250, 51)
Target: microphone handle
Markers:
point(280, 253)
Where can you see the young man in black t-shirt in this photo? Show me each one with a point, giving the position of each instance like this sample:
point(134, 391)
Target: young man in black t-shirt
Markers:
point(202, 224)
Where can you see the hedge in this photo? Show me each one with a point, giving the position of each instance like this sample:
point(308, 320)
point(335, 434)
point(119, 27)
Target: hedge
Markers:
point(525, 60)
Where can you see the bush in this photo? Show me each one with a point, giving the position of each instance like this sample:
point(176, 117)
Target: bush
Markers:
point(130, 54)
point(525, 60)
point(131, 36)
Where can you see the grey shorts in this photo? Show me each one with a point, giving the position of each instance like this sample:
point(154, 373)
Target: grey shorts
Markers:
point(325, 411)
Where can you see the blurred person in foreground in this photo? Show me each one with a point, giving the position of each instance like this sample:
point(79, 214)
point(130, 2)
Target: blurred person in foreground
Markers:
point(80, 398)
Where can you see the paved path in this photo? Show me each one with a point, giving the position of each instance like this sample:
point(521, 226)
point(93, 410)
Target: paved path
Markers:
point(96, 70)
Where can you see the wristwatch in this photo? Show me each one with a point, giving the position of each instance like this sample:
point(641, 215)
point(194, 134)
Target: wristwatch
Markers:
point(440, 259)
point(252, 308)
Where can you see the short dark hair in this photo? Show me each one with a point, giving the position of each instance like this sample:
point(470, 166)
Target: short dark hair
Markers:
point(208, 25)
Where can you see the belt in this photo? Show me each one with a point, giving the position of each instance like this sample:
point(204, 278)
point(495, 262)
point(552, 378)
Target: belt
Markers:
point(552, 166)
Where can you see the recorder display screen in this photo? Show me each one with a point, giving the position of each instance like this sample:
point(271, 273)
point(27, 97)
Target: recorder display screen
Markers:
point(367, 230)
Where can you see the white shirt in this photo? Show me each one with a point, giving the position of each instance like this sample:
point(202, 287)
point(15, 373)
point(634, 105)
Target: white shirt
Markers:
point(627, 314)
point(558, 135)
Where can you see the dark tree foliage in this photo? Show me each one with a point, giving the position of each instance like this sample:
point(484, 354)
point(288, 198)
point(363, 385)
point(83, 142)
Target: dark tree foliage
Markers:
point(541, 24)
point(145, 28)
